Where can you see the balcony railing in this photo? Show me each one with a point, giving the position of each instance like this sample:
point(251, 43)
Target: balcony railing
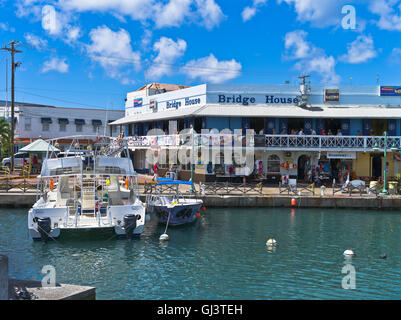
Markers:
point(273, 142)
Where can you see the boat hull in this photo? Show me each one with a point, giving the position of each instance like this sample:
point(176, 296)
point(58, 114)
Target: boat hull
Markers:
point(59, 223)
point(179, 214)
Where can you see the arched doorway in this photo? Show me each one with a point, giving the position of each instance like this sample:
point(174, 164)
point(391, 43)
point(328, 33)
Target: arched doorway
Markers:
point(303, 167)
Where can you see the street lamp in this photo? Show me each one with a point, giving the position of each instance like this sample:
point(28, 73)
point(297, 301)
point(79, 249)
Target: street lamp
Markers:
point(393, 148)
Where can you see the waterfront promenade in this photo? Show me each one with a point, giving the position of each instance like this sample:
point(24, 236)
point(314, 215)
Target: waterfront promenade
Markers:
point(264, 197)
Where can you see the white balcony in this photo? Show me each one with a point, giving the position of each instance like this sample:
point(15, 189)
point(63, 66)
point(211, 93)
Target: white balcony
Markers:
point(267, 142)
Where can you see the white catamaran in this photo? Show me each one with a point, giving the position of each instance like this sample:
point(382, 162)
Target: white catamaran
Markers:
point(87, 189)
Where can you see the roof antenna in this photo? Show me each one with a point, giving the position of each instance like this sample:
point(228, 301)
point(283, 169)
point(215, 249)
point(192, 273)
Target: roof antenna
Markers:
point(305, 90)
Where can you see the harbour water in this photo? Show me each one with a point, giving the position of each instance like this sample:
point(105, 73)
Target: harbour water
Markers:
point(223, 256)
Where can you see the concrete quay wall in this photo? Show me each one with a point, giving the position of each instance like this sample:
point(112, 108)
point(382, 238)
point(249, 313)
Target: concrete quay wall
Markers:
point(390, 203)
point(26, 200)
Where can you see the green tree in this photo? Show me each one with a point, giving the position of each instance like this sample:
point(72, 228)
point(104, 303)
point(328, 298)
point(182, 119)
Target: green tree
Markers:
point(5, 133)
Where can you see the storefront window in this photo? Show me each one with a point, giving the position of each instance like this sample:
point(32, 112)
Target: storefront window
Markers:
point(273, 164)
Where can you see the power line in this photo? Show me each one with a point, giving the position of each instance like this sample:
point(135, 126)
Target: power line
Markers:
point(61, 100)
point(178, 66)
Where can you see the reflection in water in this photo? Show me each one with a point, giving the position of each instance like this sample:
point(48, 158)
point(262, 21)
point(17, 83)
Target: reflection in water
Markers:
point(222, 256)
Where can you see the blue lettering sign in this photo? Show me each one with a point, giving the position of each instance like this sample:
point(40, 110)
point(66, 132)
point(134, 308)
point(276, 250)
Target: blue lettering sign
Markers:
point(173, 104)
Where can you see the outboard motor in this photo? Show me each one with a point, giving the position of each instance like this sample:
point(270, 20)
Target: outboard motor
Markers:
point(129, 224)
point(44, 227)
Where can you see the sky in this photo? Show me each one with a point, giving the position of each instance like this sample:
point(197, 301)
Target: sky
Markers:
point(90, 53)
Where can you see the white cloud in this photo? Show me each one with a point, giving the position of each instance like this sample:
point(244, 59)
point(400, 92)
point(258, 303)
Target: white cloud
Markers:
point(296, 45)
point(210, 12)
point(113, 51)
point(310, 58)
point(168, 52)
point(395, 57)
point(172, 14)
point(55, 64)
point(73, 33)
point(209, 69)
point(360, 50)
point(5, 27)
point(389, 18)
point(249, 12)
point(35, 41)
point(163, 13)
point(320, 13)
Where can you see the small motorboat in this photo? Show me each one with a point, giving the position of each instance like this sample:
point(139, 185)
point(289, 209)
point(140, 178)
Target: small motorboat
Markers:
point(175, 209)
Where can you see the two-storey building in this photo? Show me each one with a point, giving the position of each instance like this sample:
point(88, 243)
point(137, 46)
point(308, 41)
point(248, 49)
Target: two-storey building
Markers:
point(299, 131)
point(33, 121)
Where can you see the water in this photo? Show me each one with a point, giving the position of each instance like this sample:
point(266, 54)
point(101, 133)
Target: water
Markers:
point(223, 256)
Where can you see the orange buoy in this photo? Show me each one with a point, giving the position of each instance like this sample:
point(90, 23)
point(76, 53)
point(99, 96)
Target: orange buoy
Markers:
point(51, 184)
point(203, 208)
point(198, 214)
point(293, 202)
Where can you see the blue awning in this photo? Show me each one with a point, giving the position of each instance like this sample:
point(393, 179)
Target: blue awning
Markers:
point(164, 182)
point(63, 121)
point(46, 120)
point(96, 122)
point(79, 121)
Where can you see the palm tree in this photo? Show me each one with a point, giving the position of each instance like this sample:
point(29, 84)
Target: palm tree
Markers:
point(5, 133)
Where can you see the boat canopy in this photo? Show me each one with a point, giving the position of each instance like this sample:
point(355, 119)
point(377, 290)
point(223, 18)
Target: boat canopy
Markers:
point(169, 181)
point(72, 165)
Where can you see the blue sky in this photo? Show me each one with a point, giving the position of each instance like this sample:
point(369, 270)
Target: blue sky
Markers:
point(82, 53)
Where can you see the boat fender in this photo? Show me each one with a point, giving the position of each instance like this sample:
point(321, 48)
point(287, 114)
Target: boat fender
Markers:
point(293, 202)
point(198, 214)
point(51, 184)
point(271, 242)
point(349, 252)
point(44, 227)
point(129, 224)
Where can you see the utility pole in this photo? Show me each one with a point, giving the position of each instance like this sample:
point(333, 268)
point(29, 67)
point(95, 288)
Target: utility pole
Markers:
point(13, 51)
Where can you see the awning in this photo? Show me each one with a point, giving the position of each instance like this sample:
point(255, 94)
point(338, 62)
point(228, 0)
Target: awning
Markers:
point(46, 120)
point(79, 121)
point(96, 122)
point(63, 121)
point(315, 111)
point(162, 115)
point(39, 146)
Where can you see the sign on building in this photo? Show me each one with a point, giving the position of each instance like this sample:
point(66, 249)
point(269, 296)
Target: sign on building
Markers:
point(332, 95)
point(390, 91)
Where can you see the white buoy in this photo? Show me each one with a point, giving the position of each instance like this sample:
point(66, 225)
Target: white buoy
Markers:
point(349, 252)
point(164, 237)
point(271, 242)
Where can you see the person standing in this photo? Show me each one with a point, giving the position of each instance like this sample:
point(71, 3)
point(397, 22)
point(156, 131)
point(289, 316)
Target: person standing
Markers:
point(155, 171)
